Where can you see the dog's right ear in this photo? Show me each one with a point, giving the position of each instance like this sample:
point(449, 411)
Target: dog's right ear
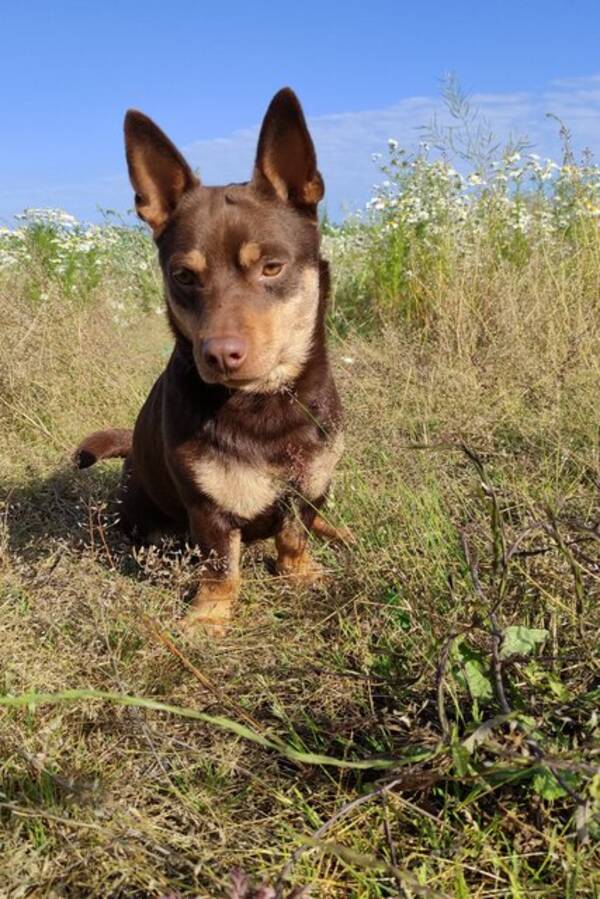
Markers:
point(158, 172)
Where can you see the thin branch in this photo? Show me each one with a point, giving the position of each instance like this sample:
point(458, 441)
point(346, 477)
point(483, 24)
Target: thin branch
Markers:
point(39, 813)
point(344, 810)
point(223, 698)
point(391, 846)
point(440, 676)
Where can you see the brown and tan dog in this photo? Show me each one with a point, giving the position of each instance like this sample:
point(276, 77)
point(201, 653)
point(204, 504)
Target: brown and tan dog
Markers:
point(240, 434)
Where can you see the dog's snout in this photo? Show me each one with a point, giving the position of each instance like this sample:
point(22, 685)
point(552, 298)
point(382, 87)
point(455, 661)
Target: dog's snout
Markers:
point(225, 354)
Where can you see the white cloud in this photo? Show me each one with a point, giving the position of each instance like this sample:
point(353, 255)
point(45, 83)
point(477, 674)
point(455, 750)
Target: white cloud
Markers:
point(346, 141)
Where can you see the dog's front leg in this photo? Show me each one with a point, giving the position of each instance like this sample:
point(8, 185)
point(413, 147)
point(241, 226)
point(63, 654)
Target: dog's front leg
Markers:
point(220, 582)
point(293, 558)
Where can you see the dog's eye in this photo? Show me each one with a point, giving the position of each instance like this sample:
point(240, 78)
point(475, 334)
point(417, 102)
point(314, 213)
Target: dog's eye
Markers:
point(185, 276)
point(272, 269)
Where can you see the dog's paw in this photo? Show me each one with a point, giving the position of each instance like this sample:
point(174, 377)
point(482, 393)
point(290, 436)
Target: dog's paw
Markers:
point(210, 611)
point(332, 533)
point(196, 622)
point(300, 569)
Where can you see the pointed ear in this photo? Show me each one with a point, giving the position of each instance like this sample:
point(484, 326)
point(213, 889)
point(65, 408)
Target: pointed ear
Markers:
point(285, 158)
point(158, 172)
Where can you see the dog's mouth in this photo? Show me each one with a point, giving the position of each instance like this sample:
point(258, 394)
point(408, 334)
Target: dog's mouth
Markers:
point(240, 383)
point(235, 382)
point(271, 381)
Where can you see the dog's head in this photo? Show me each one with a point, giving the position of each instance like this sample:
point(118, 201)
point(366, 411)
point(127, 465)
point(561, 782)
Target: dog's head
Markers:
point(241, 262)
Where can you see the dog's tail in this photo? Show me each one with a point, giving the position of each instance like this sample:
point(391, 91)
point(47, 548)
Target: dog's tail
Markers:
point(114, 443)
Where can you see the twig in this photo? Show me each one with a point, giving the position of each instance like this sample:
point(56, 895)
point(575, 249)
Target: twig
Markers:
point(496, 632)
point(497, 664)
point(39, 813)
point(321, 831)
point(368, 861)
point(154, 630)
point(574, 566)
point(103, 539)
point(513, 550)
point(312, 841)
point(391, 845)
point(440, 674)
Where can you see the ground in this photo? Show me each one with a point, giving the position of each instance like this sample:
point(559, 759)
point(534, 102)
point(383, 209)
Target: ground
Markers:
point(447, 665)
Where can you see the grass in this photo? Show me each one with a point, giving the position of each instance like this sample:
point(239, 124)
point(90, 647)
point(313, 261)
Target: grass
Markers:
point(453, 649)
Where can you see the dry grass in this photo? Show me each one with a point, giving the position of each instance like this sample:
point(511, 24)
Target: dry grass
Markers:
point(383, 662)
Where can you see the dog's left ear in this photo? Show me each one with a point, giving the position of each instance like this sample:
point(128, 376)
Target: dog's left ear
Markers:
point(285, 159)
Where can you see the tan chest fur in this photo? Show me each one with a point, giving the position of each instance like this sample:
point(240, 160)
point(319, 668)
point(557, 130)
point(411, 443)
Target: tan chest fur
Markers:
point(317, 474)
point(247, 490)
point(238, 488)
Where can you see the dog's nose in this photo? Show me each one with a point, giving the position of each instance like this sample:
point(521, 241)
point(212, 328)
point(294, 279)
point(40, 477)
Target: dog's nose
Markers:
point(225, 353)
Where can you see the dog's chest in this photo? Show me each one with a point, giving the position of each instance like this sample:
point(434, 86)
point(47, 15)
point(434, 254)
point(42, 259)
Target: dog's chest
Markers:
point(237, 487)
point(248, 489)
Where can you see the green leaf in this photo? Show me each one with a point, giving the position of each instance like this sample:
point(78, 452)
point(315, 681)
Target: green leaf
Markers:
point(559, 689)
point(462, 762)
point(545, 784)
point(519, 640)
point(478, 682)
point(481, 733)
point(473, 671)
point(539, 677)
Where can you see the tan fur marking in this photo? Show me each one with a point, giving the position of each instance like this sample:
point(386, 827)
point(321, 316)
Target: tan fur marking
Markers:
point(211, 607)
point(149, 206)
point(238, 488)
point(317, 476)
point(276, 180)
point(235, 552)
point(326, 531)
point(313, 191)
point(250, 253)
point(280, 338)
point(293, 559)
point(195, 260)
point(294, 323)
point(187, 319)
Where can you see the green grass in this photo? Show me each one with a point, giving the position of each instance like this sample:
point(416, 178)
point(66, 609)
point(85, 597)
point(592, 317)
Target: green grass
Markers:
point(456, 640)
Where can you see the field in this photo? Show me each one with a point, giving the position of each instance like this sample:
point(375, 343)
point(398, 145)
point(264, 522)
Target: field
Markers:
point(426, 722)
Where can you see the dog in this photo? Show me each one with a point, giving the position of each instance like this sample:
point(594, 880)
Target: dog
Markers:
point(239, 436)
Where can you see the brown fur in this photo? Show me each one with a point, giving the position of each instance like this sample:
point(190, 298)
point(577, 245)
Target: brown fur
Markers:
point(239, 436)
point(114, 443)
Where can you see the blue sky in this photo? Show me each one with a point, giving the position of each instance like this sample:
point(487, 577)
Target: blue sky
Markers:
point(206, 71)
